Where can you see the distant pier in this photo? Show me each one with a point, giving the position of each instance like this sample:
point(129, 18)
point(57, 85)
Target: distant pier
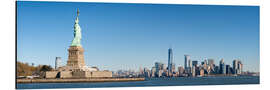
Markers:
point(86, 80)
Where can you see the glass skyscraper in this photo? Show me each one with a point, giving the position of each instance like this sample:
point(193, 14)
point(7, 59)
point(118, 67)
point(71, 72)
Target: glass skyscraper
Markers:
point(222, 67)
point(187, 59)
point(170, 58)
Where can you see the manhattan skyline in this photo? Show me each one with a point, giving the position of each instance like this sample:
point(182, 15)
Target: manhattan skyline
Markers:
point(128, 36)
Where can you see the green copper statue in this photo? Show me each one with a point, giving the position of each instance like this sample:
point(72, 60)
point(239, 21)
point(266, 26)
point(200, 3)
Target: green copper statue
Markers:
point(77, 32)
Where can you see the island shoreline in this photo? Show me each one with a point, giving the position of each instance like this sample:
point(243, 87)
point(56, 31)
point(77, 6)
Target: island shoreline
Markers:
point(80, 80)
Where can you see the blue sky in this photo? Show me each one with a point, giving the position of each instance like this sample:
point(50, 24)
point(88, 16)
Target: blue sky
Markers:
point(129, 36)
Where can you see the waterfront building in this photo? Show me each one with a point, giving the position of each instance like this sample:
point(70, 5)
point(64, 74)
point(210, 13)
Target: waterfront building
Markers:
point(197, 70)
point(57, 62)
point(146, 72)
point(193, 71)
point(240, 67)
point(205, 62)
point(237, 67)
point(187, 59)
point(175, 74)
point(222, 67)
point(164, 67)
point(181, 71)
point(173, 67)
point(140, 71)
point(165, 73)
point(201, 72)
point(153, 72)
point(189, 63)
point(211, 63)
point(195, 63)
point(188, 71)
point(208, 70)
point(203, 65)
point(159, 68)
point(160, 72)
point(217, 70)
point(228, 69)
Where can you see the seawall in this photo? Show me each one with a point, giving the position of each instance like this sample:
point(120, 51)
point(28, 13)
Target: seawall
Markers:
point(78, 80)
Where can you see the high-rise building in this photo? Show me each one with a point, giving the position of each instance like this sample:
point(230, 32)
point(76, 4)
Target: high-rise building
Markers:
point(201, 72)
point(173, 67)
point(164, 68)
point(208, 70)
point(211, 63)
point(236, 67)
point(228, 69)
point(202, 63)
point(240, 67)
point(222, 67)
point(57, 62)
point(189, 68)
point(159, 68)
point(140, 71)
point(217, 71)
point(146, 72)
point(195, 63)
point(170, 61)
point(187, 59)
point(205, 62)
point(189, 64)
point(160, 72)
point(153, 72)
point(181, 71)
point(193, 71)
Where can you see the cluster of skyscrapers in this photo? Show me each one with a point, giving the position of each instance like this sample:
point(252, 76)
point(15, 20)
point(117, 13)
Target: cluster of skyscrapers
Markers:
point(192, 68)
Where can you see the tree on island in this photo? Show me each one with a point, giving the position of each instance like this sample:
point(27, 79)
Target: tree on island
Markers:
point(24, 69)
point(46, 68)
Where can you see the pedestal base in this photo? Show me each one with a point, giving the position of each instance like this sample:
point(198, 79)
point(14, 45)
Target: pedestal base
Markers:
point(75, 57)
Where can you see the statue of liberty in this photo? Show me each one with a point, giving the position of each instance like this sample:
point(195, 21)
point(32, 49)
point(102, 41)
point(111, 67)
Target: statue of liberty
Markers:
point(77, 32)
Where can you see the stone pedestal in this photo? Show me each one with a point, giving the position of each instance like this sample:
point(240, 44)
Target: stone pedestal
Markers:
point(75, 57)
